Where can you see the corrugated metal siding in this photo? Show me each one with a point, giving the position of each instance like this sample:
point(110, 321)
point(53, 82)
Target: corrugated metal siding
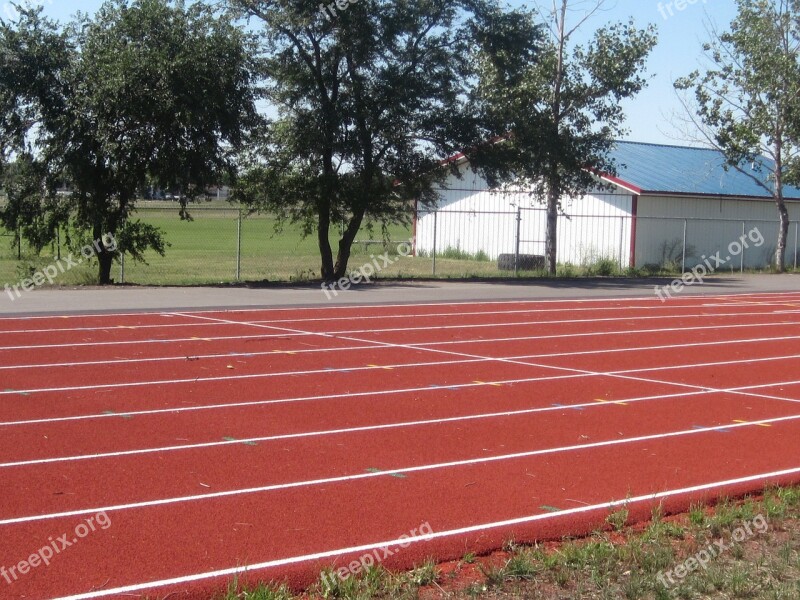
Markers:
point(711, 225)
point(597, 226)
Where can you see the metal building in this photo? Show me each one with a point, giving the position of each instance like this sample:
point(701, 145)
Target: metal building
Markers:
point(666, 204)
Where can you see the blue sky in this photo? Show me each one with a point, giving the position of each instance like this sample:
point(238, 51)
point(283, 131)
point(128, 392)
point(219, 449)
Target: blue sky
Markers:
point(682, 26)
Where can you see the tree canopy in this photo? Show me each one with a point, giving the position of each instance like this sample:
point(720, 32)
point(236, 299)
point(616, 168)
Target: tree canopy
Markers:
point(368, 100)
point(560, 112)
point(144, 89)
point(747, 102)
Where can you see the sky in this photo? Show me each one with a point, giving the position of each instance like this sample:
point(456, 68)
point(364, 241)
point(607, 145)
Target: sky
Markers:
point(653, 115)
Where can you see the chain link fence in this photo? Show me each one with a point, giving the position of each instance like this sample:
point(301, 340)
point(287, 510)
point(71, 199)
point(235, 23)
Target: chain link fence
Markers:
point(223, 244)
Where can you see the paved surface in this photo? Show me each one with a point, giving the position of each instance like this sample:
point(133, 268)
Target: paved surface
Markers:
point(86, 300)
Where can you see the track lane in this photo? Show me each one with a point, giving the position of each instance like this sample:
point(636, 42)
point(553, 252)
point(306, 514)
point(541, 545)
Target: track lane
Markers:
point(212, 534)
point(117, 480)
point(663, 462)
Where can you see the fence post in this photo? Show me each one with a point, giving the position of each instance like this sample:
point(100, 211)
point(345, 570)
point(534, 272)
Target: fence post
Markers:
point(516, 246)
point(19, 241)
point(239, 246)
point(58, 242)
point(621, 242)
point(435, 215)
point(122, 267)
point(795, 245)
point(683, 257)
point(741, 261)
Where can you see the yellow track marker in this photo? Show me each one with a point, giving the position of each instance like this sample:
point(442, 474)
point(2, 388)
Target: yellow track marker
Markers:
point(485, 383)
point(751, 423)
point(380, 367)
point(618, 402)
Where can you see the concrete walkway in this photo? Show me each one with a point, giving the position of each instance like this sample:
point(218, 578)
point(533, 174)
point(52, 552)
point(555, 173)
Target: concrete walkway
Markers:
point(125, 299)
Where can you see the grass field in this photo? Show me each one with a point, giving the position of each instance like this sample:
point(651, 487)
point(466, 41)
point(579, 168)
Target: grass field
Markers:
point(620, 562)
point(204, 251)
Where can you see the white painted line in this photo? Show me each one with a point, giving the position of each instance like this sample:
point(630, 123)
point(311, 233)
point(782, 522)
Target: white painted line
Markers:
point(696, 390)
point(762, 478)
point(327, 432)
point(646, 298)
point(518, 360)
point(393, 471)
point(254, 403)
point(515, 362)
point(328, 319)
point(681, 330)
point(184, 358)
point(567, 369)
point(385, 330)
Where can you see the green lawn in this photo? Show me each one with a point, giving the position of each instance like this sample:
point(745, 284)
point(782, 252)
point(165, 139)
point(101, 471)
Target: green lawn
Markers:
point(204, 251)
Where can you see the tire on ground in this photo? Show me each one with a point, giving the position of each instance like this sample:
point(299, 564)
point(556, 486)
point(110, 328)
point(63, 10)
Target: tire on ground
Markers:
point(527, 262)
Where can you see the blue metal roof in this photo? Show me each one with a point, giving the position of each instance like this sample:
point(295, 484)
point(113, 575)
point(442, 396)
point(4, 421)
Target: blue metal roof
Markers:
point(664, 169)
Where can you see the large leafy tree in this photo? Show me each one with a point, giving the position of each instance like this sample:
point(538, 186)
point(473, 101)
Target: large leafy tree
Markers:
point(559, 114)
point(748, 100)
point(145, 90)
point(367, 99)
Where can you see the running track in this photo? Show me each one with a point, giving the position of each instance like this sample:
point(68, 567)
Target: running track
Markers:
point(288, 440)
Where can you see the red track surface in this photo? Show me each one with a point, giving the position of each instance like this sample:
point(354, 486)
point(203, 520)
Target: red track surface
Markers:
point(289, 440)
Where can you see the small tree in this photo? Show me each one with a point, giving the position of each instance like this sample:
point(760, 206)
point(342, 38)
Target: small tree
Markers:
point(145, 89)
point(561, 112)
point(748, 100)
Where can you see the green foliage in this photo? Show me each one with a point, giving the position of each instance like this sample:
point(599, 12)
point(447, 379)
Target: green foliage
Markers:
point(144, 91)
point(456, 253)
point(560, 112)
point(368, 102)
point(748, 99)
point(603, 267)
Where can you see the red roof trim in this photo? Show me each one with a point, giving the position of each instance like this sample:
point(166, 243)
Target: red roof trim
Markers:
point(621, 183)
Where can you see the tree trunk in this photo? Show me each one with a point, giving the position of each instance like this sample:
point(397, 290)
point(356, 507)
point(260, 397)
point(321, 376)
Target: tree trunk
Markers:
point(323, 240)
point(346, 243)
point(783, 235)
point(551, 238)
point(783, 213)
point(106, 261)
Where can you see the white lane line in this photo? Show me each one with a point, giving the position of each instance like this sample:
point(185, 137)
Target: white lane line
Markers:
point(371, 346)
point(303, 333)
point(253, 403)
point(388, 426)
point(393, 471)
point(682, 330)
point(539, 365)
point(593, 309)
point(647, 299)
point(763, 479)
point(519, 360)
point(696, 390)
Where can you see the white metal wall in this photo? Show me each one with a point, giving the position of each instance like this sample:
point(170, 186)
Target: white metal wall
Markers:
point(471, 217)
point(709, 226)
point(474, 219)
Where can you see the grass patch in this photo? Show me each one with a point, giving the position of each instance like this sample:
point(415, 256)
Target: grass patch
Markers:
point(621, 562)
